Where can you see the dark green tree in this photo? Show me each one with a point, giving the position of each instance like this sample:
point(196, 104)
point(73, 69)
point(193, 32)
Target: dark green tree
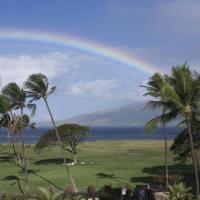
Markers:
point(71, 135)
point(181, 146)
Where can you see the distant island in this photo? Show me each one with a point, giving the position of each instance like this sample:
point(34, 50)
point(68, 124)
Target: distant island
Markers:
point(125, 116)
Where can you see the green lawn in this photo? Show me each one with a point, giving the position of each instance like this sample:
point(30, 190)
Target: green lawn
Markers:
point(119, 162)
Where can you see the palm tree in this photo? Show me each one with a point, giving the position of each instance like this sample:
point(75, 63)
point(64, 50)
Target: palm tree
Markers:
point(32, 126)
point(183, 91)
point(18, 96)
point(153, 87)
point(6, 117)
point(5, 122)
point(37, 87)
point(16, 129)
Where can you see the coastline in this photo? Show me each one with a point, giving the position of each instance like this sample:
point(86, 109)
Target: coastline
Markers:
point(103, 134)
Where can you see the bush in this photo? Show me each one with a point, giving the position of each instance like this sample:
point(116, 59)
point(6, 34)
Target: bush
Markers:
point(179, 192)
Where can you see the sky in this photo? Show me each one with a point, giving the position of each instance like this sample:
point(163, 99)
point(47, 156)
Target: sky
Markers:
point(160, 33)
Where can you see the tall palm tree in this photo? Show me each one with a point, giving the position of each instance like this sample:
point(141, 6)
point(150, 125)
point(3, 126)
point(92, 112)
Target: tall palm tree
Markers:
point(37, 87)
point(153, 87)
point(18, 96)
point(183, 91)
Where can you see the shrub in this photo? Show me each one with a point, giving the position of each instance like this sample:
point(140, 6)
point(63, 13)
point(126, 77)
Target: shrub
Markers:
point(179, 192)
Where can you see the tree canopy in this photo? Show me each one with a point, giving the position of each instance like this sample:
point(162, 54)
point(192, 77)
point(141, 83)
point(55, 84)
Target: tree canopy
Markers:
point(71, 134)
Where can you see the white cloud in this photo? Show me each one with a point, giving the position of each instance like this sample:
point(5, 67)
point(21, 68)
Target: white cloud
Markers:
point(98, 88)
point(17, 68)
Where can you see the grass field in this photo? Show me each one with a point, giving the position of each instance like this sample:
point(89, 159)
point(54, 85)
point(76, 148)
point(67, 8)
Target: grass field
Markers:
point(118, 162)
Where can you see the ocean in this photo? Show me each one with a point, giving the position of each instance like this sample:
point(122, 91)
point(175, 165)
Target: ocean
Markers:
point(103, 133)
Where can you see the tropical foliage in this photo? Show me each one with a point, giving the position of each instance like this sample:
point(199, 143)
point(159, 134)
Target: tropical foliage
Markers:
point(179, 192)
point(37, 87)
point(180, 97)
point(176, 96)
point(181, 148)
point(14, 98)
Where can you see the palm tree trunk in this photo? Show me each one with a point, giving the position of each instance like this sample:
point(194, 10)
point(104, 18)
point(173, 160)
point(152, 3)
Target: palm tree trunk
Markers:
point(11, 142)
point(61, 147)
point(19, 150)
point(166, 157)
point(10, 138)
point(194, 159)
point(24, 154)
point(75, 158)
point(198, 161)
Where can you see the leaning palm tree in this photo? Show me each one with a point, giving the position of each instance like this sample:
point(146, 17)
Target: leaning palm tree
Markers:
point(37, 87)
point(6, 117)
point(17, 95)
point(153, 87)
point(183, 91)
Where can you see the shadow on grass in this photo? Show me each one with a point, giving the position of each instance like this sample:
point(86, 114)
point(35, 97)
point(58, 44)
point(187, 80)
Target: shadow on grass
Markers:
point(104, 175)
point(118, 179)
point(55, 161)
point(183, 170)
point(14, 180)
point(6, 158)
point(173, 169)
point(36, 173)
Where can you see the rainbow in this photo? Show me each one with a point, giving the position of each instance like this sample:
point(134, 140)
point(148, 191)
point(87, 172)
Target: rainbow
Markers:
point(80, 44)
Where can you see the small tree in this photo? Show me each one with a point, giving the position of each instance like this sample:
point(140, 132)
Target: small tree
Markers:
point(71, 135)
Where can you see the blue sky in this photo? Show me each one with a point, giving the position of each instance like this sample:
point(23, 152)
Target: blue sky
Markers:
point(161, 33)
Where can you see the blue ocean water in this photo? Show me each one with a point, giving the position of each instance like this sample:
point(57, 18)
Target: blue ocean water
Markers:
point(102, 133)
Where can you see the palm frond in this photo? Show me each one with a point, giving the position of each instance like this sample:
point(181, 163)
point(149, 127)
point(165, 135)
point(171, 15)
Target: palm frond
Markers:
point(32, 107)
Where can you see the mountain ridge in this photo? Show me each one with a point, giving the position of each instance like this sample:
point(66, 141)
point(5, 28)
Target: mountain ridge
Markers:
point(128, 115)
